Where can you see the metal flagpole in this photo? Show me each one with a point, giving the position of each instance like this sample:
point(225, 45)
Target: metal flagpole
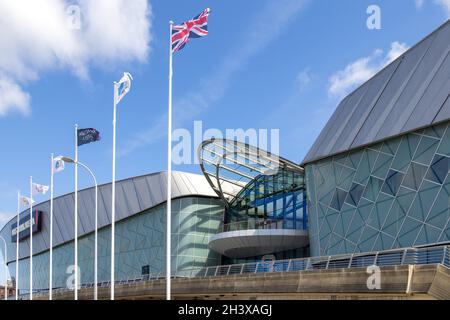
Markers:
point(113, 196)
point(76, 212)
point(31, 238)
point(50, 281)
point(17, 246)
point(169, 173)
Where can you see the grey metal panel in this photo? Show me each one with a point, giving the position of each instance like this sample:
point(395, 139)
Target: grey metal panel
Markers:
point(312, 153)
point(60, 215)
point(357, 120)
point(122, 207)
point(416, 86)
point(143, 192)
point(433, 98)
point(344, 119)
point(104, 208)
point(382, 112)
point(85, 212)
point(343, 114)
point(175, 186)
point(133, 196)
point(412, 98)
point(154, 188)
point(444, 113)
point(370, 122)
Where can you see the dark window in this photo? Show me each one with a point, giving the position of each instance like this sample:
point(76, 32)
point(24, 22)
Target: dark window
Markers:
point(354, 195)
point(145, 270)
point(414, 176)
point(438, 169)
point(392, 182)
point(338, 199)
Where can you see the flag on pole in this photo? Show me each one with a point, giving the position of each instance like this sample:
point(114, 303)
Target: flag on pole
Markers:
point(25, 201)
point(85, 136)
point(195, 28)
point(39, 188)
point(123, 86)
point(58, 164)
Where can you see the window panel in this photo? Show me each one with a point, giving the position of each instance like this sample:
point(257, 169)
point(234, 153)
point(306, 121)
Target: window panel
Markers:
point(405, 152)
point(438, 169)
point(354, 194)
point(373, 188)
point(338, 199)
point(414, 176)
point(382, 165)
point(426, 149)
point(392, 183)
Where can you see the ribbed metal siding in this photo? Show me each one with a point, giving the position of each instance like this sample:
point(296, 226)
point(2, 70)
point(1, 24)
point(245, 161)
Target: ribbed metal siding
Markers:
point(133, 195)
point(412, 92)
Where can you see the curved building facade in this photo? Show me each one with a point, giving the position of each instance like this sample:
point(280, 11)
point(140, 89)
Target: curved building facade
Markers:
point(140, 231)
point(265, 202)
point(377, 175)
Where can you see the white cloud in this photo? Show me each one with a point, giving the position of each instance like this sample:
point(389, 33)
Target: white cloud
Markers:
point(37, 36)
point(12, 97)
point(303, 79)
point(419, 4)
point(445, 4)
point(4, 218)
point(361, 70)
point(253, 39)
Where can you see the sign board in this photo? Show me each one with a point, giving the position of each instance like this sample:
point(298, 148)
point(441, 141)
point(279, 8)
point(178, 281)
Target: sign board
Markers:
point(24, 225)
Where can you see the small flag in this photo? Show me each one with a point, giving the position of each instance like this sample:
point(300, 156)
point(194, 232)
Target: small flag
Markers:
point(25, 201)
point(88, 135)
point(123, 86)
point(39, 188)
point(195, 28)
point(58, 164)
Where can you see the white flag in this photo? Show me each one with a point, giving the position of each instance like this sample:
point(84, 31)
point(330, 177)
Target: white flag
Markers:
point(58, 164)
point(25, 201)
point(39, 188)
point(123, 86)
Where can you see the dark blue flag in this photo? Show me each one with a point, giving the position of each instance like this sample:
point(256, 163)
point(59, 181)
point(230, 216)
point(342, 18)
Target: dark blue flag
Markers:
point(86, 136)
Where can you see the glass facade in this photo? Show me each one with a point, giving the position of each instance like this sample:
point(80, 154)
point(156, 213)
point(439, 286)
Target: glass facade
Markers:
point(279, 197)
point(140, 246)
point(388, 195)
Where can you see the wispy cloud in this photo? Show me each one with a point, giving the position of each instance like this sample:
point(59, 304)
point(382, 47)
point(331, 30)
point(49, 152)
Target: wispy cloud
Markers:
point(258, 34)
point(354, 74)
point(5, 217)
point(38, 36)
point(12, 97)
point(303, 79)
point(445, 4)
point(419, 4)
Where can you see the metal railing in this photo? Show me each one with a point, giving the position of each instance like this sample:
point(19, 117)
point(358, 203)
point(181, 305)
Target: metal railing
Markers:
point(408, 256)
point(252, 224)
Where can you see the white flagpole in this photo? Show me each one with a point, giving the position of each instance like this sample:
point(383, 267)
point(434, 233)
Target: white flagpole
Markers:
point(76, 212)
point(50, 281)
point(31, 238)
point(113, 196)
point(17, 246)
point(169, 173)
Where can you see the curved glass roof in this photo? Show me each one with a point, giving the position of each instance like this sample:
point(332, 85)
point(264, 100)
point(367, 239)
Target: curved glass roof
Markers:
point(229, 166)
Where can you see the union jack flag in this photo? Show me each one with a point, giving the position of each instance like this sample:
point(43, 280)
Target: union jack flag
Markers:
point(195, 28)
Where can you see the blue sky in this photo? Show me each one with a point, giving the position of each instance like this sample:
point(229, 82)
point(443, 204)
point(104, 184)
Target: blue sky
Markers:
point(265, 64)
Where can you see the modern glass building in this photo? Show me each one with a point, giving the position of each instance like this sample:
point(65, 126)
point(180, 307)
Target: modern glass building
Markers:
point(265, 202)
point(376, 178)
point(140, 232)
point(377, 175)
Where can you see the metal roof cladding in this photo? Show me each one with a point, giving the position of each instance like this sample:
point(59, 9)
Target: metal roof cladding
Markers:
point(410, 93)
